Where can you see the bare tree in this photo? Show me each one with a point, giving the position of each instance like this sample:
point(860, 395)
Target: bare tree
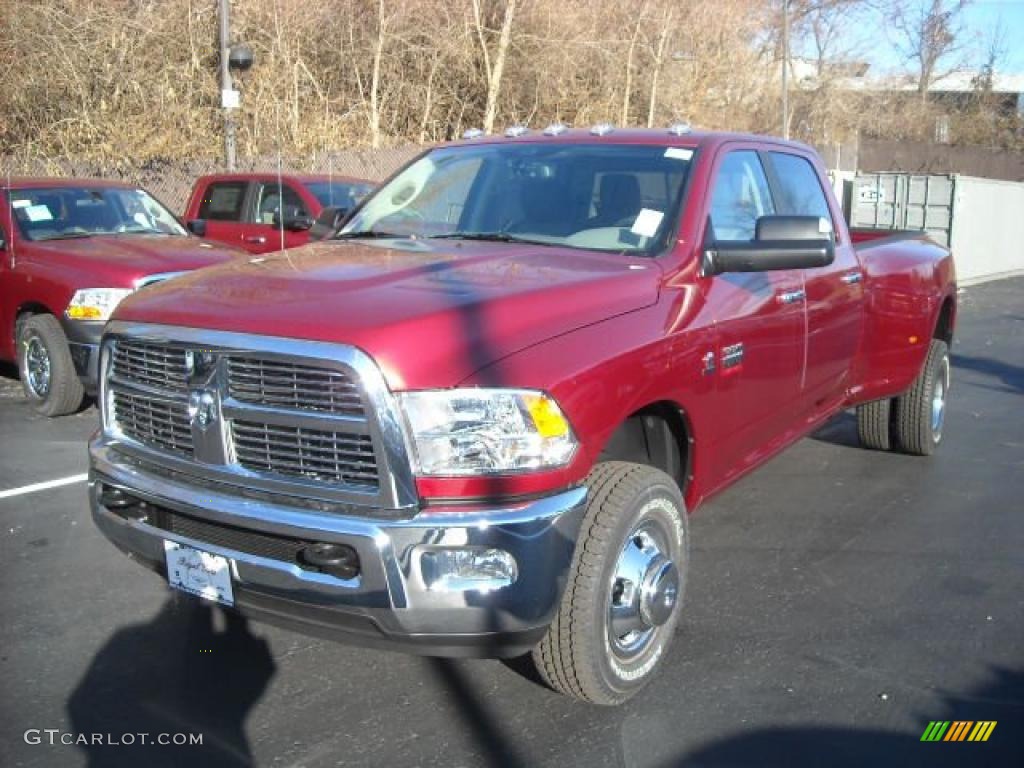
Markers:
point(495, 69)
point(930, 32)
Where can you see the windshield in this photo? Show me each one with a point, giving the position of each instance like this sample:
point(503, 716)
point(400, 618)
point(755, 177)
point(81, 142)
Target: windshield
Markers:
point(70, 212)
point(618, 197)
point(340, 194)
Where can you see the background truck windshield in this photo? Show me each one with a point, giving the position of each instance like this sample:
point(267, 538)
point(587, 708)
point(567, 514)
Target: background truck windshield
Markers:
point(70, 212)
point(621, 197)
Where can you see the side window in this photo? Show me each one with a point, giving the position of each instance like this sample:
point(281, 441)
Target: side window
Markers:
point(800, 187)
point(223, 201)
point(740, 197)
point(268, 202)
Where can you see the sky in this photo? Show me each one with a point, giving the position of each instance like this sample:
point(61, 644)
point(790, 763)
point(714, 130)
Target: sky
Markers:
point(980, 18)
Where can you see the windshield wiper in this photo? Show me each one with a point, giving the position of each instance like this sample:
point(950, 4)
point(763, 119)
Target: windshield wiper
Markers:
point(494, 237)
point(66, 236)
point(367, 233)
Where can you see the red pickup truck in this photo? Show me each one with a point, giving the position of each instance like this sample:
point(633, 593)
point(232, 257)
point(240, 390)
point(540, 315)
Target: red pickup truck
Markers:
point(475, 421)
point(70, 250)
point(262, 212)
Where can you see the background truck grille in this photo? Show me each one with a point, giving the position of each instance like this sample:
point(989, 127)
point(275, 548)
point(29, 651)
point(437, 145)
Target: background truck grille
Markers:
point(289, 385)
point(158, 423)
point(154, 365)
point(335, 457)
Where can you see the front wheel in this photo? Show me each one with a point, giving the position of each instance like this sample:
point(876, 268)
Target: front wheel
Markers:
point(48, 373)
point(622, 599)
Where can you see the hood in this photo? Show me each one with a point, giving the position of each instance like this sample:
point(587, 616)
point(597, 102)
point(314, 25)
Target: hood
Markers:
point(429, 313)
point(117, 261)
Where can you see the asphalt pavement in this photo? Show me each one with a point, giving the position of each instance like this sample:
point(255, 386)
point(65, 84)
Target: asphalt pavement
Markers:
point(840, 600)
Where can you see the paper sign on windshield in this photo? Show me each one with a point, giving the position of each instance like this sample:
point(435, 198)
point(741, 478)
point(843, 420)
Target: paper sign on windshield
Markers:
point(647, 222)
point(38, 213)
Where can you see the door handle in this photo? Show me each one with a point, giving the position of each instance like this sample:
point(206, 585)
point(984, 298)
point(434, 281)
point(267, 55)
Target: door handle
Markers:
point(791, 297)
point(256, 239)
point(851, 278)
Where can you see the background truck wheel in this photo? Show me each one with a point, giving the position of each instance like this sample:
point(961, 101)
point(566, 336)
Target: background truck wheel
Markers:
point(47, 372)
point(622, 599)
point(874, 422)
point(921, 410)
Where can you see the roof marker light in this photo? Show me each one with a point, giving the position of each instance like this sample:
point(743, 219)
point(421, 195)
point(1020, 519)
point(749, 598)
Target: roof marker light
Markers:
point(555, 129)
point(602, 129)
point(516, 130)
point(679, 129)
point(473, 133)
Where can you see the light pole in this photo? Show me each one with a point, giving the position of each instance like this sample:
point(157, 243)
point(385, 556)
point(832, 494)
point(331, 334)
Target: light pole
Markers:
point(238, 57)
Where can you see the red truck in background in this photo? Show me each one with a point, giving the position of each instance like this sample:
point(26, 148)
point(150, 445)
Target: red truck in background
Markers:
point(262, 212)
point(70, 250)
point(474, 421)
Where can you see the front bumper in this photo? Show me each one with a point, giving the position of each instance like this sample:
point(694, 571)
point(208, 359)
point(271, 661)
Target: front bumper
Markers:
point(389, 603)
point(84, 344)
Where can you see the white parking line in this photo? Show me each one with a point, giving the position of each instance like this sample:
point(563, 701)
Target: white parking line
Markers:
point(43, 486)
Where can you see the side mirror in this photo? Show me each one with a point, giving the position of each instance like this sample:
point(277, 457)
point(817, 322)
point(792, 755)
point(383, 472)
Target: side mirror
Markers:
point(328, 222)
point(780, 242)
point(197, 227)
point(3, 242)
point(293, 219)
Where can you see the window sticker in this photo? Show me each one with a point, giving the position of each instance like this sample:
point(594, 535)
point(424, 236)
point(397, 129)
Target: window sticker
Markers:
point(824, 226)
point(647, 222)
point(20, 203)
point(679, 153)
point(38, 213)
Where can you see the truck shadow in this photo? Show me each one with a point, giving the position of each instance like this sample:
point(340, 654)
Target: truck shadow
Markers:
point(193, 669)
point(839, 430)
point(1011, 376)
point(839, 747)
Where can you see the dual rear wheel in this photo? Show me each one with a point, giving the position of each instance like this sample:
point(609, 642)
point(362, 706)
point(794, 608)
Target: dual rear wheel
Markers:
point(913, 422)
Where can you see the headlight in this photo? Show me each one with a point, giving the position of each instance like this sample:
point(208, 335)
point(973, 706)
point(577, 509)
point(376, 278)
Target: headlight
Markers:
point(95, 303)
point(485, 431)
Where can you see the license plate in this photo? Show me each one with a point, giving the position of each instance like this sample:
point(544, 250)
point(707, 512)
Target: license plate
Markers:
point(199, 573)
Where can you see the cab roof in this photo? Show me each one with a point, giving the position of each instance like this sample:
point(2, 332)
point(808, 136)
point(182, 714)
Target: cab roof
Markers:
point(58, 182)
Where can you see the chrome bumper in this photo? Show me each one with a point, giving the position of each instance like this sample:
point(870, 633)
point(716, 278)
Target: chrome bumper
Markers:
point(389, 604)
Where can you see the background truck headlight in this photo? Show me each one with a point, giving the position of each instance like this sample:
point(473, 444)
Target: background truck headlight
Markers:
point(95, 303)
point(485, 431)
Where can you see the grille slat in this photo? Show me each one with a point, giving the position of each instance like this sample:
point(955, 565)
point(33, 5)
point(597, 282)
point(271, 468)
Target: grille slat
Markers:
point(323, 455)
point(274, 383)
point(151, 364)
point(158, 423)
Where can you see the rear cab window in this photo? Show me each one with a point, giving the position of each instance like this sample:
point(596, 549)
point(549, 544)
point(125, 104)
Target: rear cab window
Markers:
point(799, 186)
point(223, 201)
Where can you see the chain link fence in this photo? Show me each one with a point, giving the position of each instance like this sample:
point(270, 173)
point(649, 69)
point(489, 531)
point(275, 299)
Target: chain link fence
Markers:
point(171, 180)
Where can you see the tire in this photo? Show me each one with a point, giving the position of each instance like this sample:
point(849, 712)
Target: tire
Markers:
point(634, 512)
point(48, 374)
point(921, 410)
point(874, 424)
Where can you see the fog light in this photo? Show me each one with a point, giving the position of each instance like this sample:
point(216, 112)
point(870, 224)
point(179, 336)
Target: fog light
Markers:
point(464, 569)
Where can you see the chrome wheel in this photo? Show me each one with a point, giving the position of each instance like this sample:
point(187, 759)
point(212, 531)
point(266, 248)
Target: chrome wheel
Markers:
point(644, 590)
point(939, 391)
point(37, 367)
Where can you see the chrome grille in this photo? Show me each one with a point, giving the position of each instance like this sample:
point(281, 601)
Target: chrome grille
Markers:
point(155, 365)
point(162, 424)
point(283, 384)
point(322, 455)
point(265, 415)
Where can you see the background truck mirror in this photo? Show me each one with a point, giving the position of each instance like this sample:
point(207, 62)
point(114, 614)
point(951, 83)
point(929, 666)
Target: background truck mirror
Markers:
point(328, 222)
point(293, 219)
point(197, 227)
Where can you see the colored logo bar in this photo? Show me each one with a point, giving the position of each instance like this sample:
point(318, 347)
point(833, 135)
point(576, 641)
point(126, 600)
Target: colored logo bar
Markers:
point(958, 730)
